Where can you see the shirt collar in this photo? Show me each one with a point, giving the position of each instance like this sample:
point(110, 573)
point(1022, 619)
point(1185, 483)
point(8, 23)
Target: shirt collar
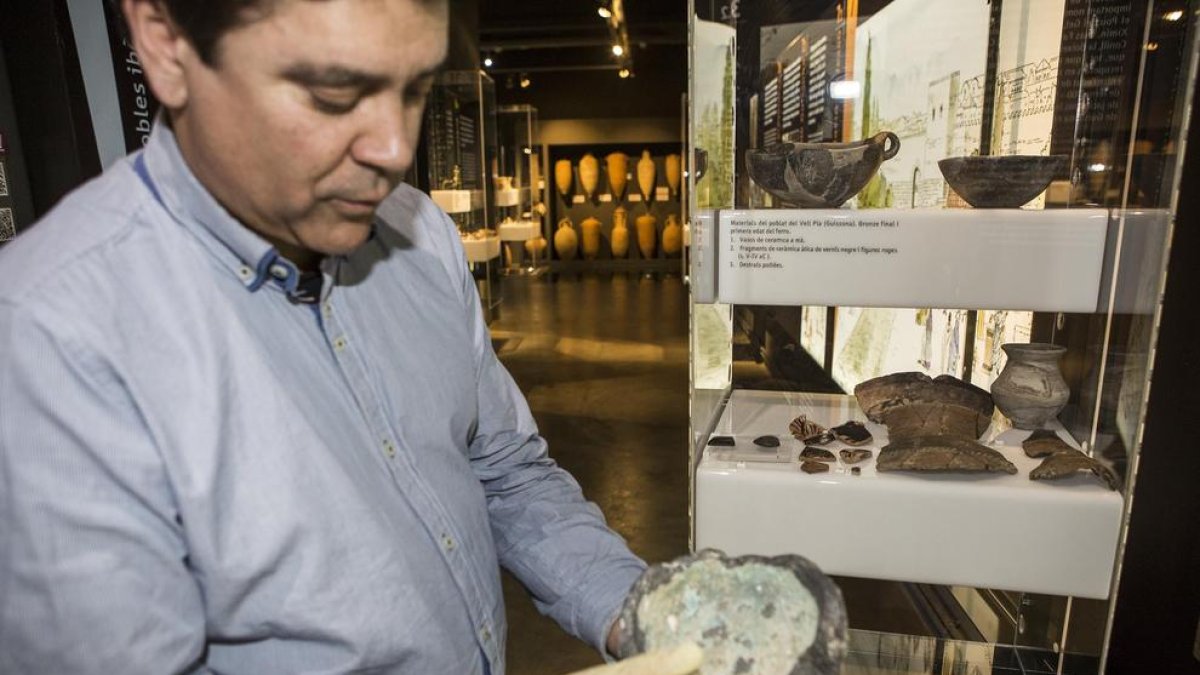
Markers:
point(239, 249)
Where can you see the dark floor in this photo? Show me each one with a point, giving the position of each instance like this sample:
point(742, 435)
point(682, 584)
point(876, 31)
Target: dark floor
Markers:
point(603, 363)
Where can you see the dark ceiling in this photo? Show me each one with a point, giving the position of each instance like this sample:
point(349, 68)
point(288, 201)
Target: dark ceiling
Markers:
point(563, 48)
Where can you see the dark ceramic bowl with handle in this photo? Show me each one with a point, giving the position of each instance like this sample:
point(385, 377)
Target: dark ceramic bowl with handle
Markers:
point(1006, 182)
point(820, 175)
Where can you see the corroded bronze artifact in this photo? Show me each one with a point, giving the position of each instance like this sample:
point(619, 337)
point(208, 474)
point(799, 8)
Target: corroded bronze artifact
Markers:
point(854, 455)
point(817, 454)
point(852, 433)
point(803, 428)
point(941, 453)
point(1068, 463)
point(767, 441)
point(751, 615)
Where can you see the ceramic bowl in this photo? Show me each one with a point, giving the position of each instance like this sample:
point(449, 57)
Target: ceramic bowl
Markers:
point(1006, 182)
point(820, 175)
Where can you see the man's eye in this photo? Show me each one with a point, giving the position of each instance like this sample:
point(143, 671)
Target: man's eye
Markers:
point(333, 104)
point(418, 91)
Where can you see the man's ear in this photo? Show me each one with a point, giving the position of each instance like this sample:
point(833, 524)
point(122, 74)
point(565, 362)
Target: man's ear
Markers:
point(162, 48)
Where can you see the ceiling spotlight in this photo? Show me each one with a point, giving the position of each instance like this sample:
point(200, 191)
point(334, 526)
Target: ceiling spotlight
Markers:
point(487, 62)
point(623, 73)
point(1151, 46)
point(604, 12)
point(618, 50)
point(525, 81)
point(1174, 16)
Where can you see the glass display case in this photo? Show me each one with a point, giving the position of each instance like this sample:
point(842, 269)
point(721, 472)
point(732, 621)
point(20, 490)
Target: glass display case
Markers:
point(928, 244)
point(518, 183)
point(460, 141)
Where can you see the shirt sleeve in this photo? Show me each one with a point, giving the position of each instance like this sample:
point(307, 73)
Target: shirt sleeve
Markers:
point(551, 538)
point(93, 573)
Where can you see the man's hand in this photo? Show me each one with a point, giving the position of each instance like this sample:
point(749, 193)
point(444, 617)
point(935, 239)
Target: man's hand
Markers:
point(614, 640)
point(684, 659)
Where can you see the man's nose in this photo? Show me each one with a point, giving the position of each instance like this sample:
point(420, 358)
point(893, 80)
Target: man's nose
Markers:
point(385, 141)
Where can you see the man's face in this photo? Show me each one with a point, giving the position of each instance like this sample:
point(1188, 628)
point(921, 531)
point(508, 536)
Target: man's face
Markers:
point(310, 115)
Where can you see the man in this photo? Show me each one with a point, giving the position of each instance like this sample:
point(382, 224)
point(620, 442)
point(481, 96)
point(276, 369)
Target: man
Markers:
point(250, 419)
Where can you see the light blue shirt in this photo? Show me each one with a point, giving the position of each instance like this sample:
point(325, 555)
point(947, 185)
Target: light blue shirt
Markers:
point(198, 474)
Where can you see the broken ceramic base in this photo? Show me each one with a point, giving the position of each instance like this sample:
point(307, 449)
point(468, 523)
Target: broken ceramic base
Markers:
point(942, 453)
point(1070, 462)
point(814, 466)
point(802, 428)
point(751, 615)
point(854, 455)
point(817, 454)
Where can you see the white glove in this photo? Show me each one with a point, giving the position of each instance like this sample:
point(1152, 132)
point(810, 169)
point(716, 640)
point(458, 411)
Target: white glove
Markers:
point(684, 659)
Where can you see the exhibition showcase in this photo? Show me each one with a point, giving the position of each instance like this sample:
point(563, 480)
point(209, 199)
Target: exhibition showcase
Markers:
point(944, 257)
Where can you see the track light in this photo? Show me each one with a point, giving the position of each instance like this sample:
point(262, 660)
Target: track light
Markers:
point(623, 73)
point(618, 50)
point(604, 12)
point(487, 62)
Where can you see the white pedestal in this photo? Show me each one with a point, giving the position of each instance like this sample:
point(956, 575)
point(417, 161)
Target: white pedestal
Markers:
point(988, 531)
point(520, 230)
point(452, 201)
point(482, 250)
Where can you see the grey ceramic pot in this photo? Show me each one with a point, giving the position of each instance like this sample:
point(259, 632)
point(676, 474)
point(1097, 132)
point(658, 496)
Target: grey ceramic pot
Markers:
point(1031, 390)
point(1001, 182)
point(820, 175)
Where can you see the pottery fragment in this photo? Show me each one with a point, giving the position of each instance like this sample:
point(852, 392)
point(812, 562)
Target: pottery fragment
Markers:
point(1068, 463)
point(817, 454)
point(722, 441)
point(809, 466)
point(854, 455)
point(767, 441)
point(852, 433)
point(1043, 443)
point(802, 428)
point(942, 453)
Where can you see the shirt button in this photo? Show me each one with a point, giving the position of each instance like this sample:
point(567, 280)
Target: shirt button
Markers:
point(339, 343)
point(279, 271)
point(327, 308)
point(389, 448)
point(245, 272)
point(447, 542)
point(486, 634)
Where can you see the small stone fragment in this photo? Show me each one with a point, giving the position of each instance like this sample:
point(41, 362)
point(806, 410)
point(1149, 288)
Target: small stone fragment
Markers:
point(854, 455)
point(856, 470)
point(802, 428)
point(725, 441)
point(767, 441)
point(852, 433)
point(814, 467)
point(823, 438)
point(817, 454)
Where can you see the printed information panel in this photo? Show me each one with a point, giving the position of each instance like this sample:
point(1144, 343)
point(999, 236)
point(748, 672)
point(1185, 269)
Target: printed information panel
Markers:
point(1049, 260)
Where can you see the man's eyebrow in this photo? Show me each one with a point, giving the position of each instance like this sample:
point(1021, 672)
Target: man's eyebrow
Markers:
point(312, 75)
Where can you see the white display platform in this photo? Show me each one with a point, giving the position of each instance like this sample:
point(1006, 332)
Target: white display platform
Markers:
point(1044, 260)
point(994, 531)
point(509, 197)
point(457, 201)
point(519, 230)
point(482, 250)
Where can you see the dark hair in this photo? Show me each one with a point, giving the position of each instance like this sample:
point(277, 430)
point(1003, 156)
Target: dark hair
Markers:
point(203, 22)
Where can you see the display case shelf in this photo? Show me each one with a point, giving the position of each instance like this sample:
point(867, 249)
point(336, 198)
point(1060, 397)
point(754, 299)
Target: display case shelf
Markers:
point(1044, 260)
point(992, 531)
point(457, 202)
